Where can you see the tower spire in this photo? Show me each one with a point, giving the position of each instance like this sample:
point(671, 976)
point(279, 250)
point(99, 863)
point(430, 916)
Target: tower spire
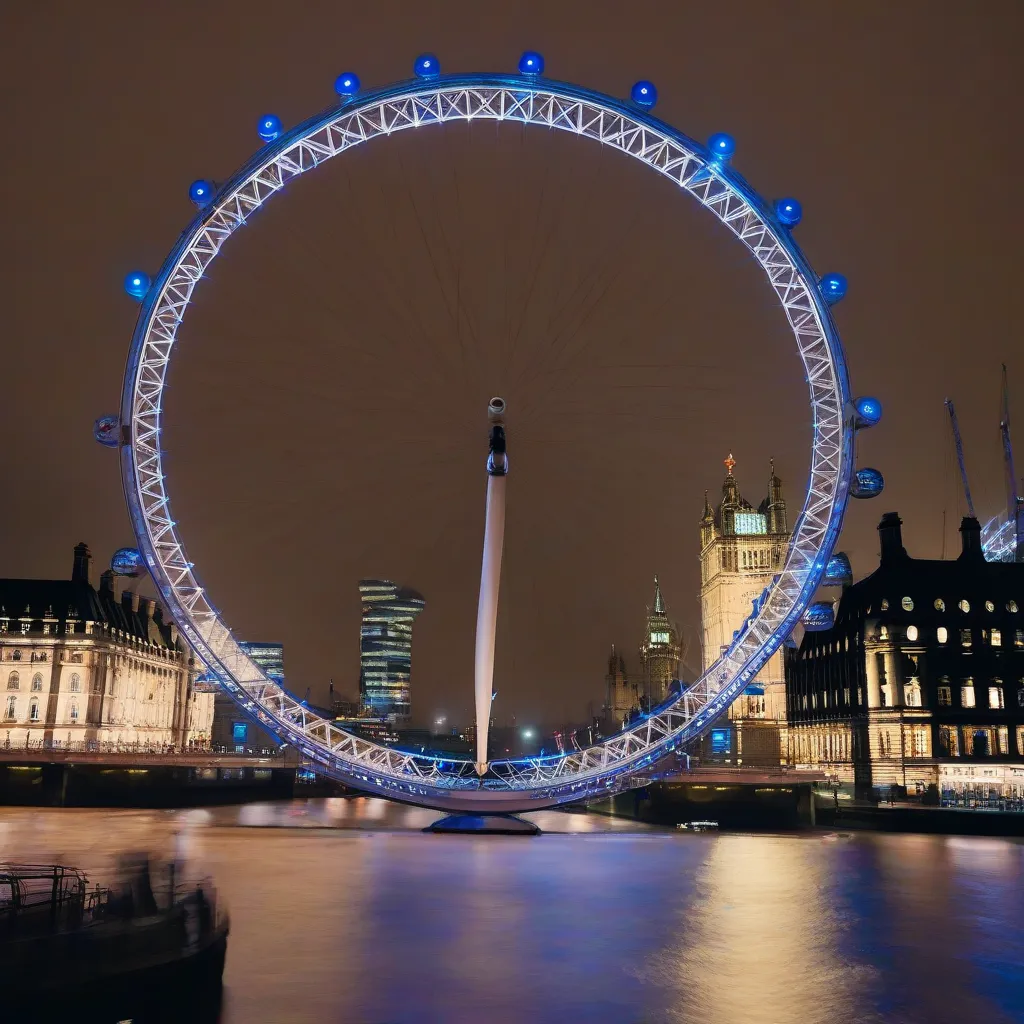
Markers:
point(659, 604)
point(730, 462)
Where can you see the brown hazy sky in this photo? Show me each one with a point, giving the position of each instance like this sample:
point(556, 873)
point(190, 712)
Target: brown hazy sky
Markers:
point(326, 409)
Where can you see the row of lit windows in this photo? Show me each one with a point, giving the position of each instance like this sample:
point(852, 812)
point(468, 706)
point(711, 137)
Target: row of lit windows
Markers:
point(996, 698)
point(992, 637)
point(907, 604)
point(33, 710)
point(977, 740)
point(14, 682)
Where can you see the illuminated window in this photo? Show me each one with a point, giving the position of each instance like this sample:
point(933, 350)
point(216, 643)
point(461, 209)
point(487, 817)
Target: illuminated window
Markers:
point(965, 638)
point(919, 741)
point(720, 741)
point(883, 633)
point(1020, 739)
point(37, 682)
point(907, 604)
point(946, 696)
point(949, 742)
point(1018, 638)
point(942, 634)
point(1003, 739)
point(995, 697)
point(940, 605)
point(73, 715)
point(885, 604)
point(965, 605)
point(912, 694)
point(996, 637)
point(911, 632)
point(846, 695)
point(1011, 606)
point(76, 683)
point(967, 695)
point(33, 711)
point(659, 638)
point(14, 681)
point(750, 523)
point(12, 707)
point(989, 606)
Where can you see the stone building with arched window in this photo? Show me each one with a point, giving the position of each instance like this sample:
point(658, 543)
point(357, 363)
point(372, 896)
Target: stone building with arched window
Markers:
point(81, 665)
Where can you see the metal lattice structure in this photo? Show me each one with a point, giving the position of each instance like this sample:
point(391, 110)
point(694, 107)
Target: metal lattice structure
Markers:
point(617, 125)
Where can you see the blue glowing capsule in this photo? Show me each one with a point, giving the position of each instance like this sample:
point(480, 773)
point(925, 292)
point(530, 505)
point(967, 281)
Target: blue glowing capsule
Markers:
point(722, 146)
point(833, 287)
point(838, 572)
point(867, 483)
point(269, 127)
point(346, 84)
point(200, 192)
point(869, 411)
point(819, 615)
point(136, 284)
point(106, 430)
point(531, 63)
point(427, 66)
point(126, 562)
point(789, 212)
point(644, 94)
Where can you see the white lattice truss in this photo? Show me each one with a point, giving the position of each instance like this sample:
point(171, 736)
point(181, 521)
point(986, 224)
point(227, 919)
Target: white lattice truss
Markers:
point(530, 782)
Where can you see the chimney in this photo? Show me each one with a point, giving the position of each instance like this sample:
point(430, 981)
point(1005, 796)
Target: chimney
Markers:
point(890, 534)
point(146, 606)
point(970, 538)
point(82, 569)
point(130, 601)
point(107, 583)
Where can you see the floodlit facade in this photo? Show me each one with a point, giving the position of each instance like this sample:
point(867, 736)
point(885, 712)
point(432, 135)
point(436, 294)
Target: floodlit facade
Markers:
point(920, 681)
point(87, 666)
point(741, 549)
point(385, 649)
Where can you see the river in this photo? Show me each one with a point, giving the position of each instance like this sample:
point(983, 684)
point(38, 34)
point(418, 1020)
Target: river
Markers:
point(343, 911)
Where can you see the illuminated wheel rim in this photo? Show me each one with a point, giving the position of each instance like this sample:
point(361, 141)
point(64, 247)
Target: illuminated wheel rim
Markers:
point(526, 783)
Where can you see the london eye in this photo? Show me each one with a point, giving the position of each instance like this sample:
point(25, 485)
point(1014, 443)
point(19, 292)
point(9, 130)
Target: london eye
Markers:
point(702, 172)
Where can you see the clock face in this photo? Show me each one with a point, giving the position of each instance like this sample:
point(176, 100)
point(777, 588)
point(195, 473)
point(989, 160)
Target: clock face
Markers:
point(659, 638)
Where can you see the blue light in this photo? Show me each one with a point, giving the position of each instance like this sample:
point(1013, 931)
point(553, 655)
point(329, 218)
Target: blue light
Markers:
point(819, 615)
point(869, 411)
point(833, 287)
point(106, 430)
point(838, 571)
point(136, 284)
point(346, 84)
point(427, 66)
point(789, 212)
point(644, 94)
point(200, 192)
point(531, 63)
point(126, 562)
point(867, 483)
point(722, 146)
point(269, 127)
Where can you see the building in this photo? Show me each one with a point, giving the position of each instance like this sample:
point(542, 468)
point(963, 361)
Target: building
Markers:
point(741, 549)
point(920, 680)
point(233, 729)
point(622, 699)
point(385, 649)
point(80, 665)
point(660, 653)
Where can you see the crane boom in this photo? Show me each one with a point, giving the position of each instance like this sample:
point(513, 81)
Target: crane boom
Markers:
point(1013, 498)
point(960, 455)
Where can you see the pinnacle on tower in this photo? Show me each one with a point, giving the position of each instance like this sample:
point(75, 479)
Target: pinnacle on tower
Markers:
point(730, 462)
point(659, 604)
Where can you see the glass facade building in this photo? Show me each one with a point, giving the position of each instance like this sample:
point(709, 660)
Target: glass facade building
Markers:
point(385, 648)
point(269, 657)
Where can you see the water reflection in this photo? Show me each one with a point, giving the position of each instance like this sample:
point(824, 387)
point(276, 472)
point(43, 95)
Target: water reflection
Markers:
point(343, 911)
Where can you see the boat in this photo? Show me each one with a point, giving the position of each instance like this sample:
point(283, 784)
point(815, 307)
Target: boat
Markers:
point(133, 952)
point(698, 826)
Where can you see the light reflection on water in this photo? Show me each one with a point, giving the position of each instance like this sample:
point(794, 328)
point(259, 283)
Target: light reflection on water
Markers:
point(342, 911)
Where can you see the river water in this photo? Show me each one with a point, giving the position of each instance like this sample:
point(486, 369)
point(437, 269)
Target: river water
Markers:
point(343, 911)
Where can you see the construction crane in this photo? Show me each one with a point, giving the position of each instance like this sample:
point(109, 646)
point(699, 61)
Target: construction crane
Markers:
point(960, 455)
point(1014, 502)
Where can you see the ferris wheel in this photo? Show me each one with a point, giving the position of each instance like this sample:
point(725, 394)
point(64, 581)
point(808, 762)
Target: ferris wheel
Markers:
point(703, 173)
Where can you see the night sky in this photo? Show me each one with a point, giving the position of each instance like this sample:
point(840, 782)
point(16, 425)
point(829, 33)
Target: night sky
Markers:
point(326, 411)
